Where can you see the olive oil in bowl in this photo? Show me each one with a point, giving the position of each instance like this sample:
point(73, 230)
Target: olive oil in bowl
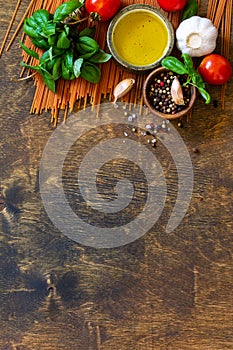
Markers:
point(139, 37)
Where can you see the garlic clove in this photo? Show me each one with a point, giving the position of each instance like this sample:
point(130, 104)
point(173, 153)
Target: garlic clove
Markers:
point(176, 92)
point(123, 88)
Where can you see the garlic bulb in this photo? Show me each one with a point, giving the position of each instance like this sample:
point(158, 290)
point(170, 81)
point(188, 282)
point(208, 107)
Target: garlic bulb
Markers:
point(122, 88)
point(196, 36)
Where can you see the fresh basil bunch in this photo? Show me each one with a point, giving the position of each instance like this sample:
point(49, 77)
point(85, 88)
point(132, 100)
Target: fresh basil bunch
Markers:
point(68, 52)
point(193, 77)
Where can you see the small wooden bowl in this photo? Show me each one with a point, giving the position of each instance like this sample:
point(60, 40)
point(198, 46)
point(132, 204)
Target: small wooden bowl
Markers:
point(179, 114)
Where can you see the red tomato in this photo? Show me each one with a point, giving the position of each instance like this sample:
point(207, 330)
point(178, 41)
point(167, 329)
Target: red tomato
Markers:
point(172, 5)
point(106, 9)
point(215, 69)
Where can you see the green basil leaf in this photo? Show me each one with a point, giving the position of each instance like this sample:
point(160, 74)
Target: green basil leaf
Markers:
point(65, 9)
point(90, 72)
point(49, 29)
point(31, 53)
point(29, 30)
point(42, 17)
point(197, 80)
point(47, 60)
point(48, 74)
point(58, 52)
point(205, 95)
point(45, 57)
point(173, 64)
point(52, 39)
point(41, 43)
point(77, 67)
point(88, 55)
point(48, 80)
point(37, 25)
point(50, 51)
point(63, 42)
point(86, 45)
point(50, 65)
point(67, 67)
point(90, 32)
point(65, 71)
point(188, 63)
point(56, 72)
point(72, 76)
point(69, 59)
point(190, 9)
point(100, 57)
point(31, 22)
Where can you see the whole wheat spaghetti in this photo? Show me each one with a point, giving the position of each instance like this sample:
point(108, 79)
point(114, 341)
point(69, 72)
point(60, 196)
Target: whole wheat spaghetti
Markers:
point(220, 12)
point(20, 24)
point(9, 27)
point(215, 11)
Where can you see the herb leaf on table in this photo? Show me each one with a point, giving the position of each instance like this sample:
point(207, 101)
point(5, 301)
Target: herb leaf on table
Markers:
point(193, 77)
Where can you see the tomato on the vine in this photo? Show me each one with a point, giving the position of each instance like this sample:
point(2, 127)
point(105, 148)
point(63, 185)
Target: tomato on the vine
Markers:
point(215, 69)
point(172, 5)
point(106, 9)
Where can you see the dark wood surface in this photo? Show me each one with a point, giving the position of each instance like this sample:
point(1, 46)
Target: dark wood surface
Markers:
point(163, 291)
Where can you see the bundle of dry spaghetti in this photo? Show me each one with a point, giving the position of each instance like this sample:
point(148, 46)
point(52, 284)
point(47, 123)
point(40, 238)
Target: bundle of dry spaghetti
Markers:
point(79, 92)
point(220, 12)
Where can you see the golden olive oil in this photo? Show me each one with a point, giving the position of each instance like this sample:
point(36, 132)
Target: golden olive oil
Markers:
point(140, 38)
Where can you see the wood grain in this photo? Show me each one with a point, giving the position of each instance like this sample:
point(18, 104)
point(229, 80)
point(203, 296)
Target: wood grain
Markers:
point(163, 291)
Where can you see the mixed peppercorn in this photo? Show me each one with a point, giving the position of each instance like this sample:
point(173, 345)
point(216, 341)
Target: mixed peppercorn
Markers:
point(159, 93)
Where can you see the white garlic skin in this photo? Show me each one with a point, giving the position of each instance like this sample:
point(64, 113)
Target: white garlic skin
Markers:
point(122, 88)
point(176, 92)
point(196, 36)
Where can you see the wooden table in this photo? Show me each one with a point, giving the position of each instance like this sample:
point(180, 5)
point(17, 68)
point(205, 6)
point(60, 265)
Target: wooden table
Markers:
point(162, 291)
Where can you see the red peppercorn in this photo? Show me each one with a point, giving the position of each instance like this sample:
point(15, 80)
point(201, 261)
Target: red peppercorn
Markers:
point(162, 83)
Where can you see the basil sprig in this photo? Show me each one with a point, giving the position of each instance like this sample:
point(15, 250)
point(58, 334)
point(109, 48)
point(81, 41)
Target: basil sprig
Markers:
point(193, 77)
point(68, 52)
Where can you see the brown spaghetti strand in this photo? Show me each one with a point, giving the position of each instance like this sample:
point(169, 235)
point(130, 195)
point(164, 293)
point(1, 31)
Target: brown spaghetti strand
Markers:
point(10, 26)
point(219, 13)
point(20, 25)
point(226, 35)
point(226, 29)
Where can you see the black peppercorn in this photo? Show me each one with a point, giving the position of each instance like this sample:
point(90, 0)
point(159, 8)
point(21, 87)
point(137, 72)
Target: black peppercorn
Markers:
point(161, 99)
